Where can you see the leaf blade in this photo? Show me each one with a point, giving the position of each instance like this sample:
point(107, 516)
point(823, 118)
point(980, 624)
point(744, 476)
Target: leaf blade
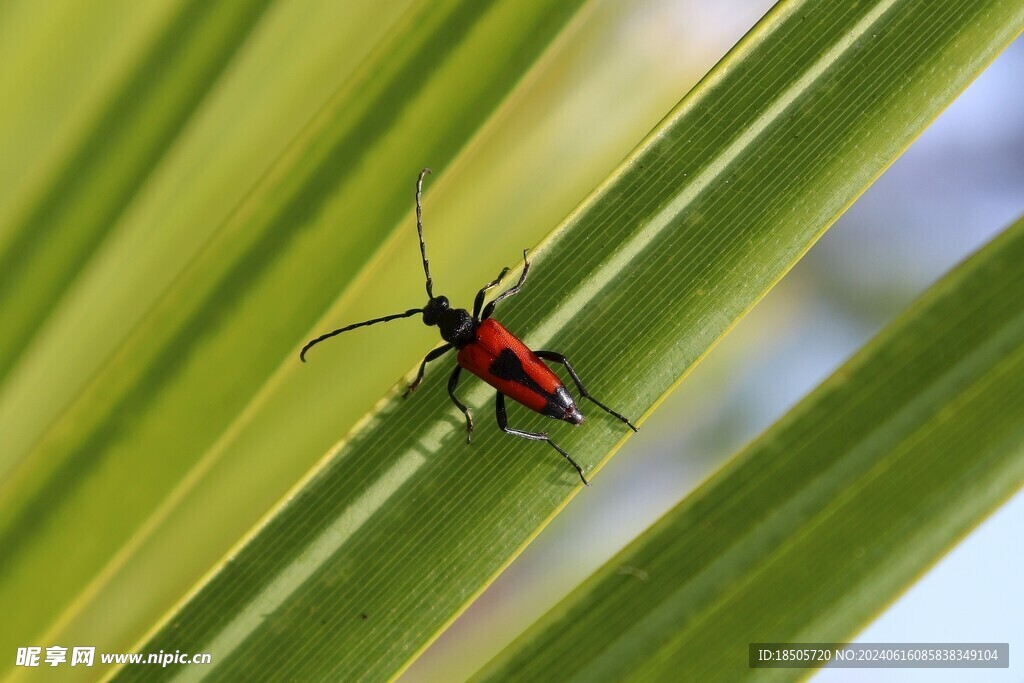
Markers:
point(189, 342)
point(476, 498)
point(52, 239)
point(808, 532)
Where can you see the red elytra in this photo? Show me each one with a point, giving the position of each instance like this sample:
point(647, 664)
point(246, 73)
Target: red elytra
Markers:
point(492, 353)
point(499, 358)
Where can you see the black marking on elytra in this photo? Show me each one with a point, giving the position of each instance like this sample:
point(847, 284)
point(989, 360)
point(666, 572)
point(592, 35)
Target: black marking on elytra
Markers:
point(508, 367)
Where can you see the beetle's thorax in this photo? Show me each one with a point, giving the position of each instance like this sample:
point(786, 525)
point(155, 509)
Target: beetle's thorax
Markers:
point(457, 327)
point(456, 324)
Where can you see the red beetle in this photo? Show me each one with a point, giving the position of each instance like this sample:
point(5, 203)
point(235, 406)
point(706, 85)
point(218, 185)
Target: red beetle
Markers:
point(492, 353)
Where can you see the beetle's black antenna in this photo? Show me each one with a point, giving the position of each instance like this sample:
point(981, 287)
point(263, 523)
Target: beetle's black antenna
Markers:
point(419, 231)
point(411, 312)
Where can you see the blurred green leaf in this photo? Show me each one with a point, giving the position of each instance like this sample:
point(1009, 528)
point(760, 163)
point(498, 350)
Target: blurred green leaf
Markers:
point(403, 524)
point(56, 80)
point(820, 523)
point(61, 224)
point(170, 387)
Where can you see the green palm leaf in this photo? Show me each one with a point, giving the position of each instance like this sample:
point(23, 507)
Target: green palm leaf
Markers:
point(402, 524)
point(815, 527)
point(151, 391)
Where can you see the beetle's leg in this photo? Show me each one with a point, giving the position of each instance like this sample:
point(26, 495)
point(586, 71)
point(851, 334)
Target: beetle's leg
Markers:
point(559, 358)
point(479, 302)
point(533, 436)
point(433, 355)
point(453, 382)
point(489, 309)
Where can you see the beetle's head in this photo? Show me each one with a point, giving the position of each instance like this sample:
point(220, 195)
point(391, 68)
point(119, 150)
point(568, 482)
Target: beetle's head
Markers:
point(435, 309)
